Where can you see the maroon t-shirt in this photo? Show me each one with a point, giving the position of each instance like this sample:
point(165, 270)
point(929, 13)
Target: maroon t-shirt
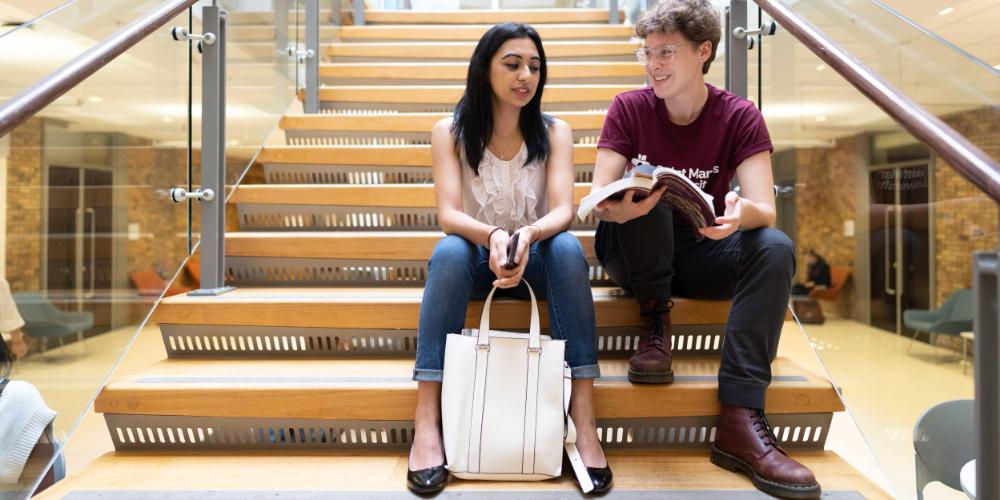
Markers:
point(729, 129)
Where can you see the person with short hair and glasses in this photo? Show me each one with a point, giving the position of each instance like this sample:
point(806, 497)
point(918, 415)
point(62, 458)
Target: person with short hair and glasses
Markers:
point(649, 249)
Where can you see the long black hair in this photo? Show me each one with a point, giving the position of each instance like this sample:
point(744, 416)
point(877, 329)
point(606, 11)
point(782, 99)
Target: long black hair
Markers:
point(6, 358)
point(473, 119)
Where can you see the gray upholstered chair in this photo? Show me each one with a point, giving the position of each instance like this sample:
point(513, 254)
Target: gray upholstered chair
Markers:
point(944, 439)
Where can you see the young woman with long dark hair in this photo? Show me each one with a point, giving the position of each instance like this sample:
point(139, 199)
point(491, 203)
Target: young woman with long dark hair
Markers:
point(501, 167)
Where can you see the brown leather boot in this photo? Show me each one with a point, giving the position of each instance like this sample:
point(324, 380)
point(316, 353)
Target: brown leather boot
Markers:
point(744, 442)
point(651, 361)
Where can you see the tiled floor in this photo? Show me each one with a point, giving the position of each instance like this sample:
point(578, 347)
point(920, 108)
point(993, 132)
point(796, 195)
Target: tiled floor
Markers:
point(885, 389)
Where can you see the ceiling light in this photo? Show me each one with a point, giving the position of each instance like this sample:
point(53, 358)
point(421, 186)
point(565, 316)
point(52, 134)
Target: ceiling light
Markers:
point(820, 67)
point(821, 118)
point(95, 98)
point(167, 119)
point(997, 66)
point(945, 11)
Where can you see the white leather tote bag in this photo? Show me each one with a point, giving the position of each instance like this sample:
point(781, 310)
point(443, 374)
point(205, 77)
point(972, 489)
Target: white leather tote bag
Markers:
point(505, 404)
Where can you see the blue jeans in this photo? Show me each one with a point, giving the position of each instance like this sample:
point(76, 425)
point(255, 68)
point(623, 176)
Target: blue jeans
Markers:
point(459, 271)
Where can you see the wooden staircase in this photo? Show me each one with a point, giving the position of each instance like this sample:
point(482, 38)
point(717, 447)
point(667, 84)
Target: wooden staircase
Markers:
point(298, 383)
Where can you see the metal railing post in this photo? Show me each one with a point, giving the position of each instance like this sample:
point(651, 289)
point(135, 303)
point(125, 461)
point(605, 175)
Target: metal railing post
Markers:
point(311, 102)
point(613, 16)
point(986, 287)
point(736, 53)
point(359, 12)
point(213, 155)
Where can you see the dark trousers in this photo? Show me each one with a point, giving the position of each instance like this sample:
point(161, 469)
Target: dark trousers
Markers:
point(651, 257)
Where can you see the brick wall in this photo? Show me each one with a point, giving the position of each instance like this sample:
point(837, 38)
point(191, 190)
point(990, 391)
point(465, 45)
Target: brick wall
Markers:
point(965, 218)
point(824, 199)
point(24, 207)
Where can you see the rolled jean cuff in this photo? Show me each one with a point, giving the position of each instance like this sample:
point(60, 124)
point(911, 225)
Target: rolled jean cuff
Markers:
point(585, 371)
point(742, 394)
point(425, 375)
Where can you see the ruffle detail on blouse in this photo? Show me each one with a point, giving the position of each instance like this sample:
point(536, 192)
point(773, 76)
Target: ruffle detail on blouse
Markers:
point(504, 191)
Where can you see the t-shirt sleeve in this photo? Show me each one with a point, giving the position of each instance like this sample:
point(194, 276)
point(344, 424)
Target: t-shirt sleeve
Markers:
point(752, 136)
point(615, 134)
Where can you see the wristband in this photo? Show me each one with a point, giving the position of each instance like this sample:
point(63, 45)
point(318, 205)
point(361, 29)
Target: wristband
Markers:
point(490, 237)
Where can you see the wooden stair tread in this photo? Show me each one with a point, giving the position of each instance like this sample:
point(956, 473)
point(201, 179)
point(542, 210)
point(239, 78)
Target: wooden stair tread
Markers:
point(393, 308)
point(463, 50)
point(413, 122)
point(473, 32)
point(459, 70)
point(450, 94)
point(390, 245)
point(360, 195)
point(399, 156)
point(476, 16)
point(382, 389)
point(385, 471)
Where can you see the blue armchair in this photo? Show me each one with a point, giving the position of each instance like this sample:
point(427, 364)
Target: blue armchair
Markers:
point(43, 320)
point(952, 318)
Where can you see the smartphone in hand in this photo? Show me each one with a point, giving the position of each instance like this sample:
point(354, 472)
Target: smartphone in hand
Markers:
point(512, 251)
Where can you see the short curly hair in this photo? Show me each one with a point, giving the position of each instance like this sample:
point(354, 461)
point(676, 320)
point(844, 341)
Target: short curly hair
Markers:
point(697, 20)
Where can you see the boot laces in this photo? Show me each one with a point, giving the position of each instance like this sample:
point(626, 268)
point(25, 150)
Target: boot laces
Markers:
point(656, 333)
point(763, 430)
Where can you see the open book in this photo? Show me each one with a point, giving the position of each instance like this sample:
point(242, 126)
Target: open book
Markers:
point(682, 194)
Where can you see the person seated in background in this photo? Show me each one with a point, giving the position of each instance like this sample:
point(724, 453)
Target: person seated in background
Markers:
point(818, 274)
point(11, 323)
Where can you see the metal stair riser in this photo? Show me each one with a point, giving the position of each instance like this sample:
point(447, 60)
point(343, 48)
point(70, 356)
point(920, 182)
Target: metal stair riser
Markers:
point(271, 271)
point(357, 107)
point(221, 341)
point(263, 217)
point(293, 173)
point(301, 137)
point(806, 431)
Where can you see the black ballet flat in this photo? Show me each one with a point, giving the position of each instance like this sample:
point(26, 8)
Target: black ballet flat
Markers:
point(427, 481)
point(601, 477)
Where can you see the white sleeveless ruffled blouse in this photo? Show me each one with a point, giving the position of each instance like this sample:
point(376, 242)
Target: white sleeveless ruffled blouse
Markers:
point(505, 193)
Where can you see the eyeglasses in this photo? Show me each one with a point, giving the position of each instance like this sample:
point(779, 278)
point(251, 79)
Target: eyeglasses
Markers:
point(664, 53)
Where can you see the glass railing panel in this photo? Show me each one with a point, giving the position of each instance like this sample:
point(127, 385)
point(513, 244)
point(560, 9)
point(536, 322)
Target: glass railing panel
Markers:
point(895, 224)
point(263, 75)
point(942, 78)
point(89, 238)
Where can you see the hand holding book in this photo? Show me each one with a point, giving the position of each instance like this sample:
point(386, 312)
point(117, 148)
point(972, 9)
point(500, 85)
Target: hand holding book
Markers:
point(629, 204)
point(665, 184)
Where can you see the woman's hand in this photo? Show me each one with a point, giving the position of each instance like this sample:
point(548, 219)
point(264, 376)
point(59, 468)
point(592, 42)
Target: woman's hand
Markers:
point(509, 278)
point(730, 221)
point(626, 209)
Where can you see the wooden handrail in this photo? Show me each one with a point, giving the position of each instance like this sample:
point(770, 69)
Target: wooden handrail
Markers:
point(35, 98)
point(970, 161)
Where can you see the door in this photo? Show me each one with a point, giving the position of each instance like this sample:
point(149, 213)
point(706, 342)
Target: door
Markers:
point(900, 244)
point(79, 255)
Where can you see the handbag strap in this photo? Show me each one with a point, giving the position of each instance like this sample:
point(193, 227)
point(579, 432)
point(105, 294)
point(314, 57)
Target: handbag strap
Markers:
point(3, 384)
point(534, 330)
point(575, 460)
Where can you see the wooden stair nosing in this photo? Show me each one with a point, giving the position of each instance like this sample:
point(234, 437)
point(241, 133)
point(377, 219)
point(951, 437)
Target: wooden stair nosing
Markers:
point(376, 389)
point(384, 472)
point(459, 70)
point(450, 94)
point(463, 50)
point(471, 16)
point(363, 195)
point(395, 308)
point(412, 122)
point(473, 32)
point(355, 245)
point(393, 156)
